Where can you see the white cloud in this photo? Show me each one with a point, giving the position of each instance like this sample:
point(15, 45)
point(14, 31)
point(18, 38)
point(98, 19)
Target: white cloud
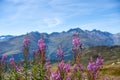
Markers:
point(52, 22)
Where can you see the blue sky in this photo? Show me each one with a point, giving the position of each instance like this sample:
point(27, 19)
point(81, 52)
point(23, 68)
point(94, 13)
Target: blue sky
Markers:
point(22, 16)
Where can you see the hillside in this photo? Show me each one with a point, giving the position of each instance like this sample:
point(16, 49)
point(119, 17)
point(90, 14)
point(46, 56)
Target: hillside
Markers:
point(109, 53)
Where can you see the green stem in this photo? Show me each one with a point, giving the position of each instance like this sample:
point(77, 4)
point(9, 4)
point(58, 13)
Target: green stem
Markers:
point(0, 76)
point(26, 69)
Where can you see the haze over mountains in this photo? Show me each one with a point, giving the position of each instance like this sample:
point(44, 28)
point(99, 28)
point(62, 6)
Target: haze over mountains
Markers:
point(12, 45)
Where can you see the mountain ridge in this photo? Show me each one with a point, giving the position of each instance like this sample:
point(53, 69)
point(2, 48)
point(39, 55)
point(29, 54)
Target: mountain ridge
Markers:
point(88, 38)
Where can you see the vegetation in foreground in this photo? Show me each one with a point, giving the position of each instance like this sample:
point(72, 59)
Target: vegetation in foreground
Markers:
point(41, 69)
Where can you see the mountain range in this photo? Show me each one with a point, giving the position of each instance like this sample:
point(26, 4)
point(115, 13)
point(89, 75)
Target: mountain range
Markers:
point(13, 45)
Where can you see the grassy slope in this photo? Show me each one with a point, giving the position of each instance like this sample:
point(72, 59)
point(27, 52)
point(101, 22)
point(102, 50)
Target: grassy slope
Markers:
point(111, 56)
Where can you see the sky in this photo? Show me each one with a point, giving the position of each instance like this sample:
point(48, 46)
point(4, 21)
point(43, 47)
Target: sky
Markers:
point(21, 16)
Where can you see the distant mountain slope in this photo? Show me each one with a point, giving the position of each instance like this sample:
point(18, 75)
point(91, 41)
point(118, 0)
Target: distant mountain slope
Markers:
point(88, 38)
point(5, 38)
point(116, 39)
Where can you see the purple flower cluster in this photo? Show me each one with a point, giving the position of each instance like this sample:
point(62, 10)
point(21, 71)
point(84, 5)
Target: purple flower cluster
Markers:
point(60, 53)
point(41, 48)
point(61, 65)
point(26, 41)
point(47, 64)
point(62, 71)
point(77, 71)
point(3, 60)
point(2, 65)
point(18, 68)
point(78, 67)
point(4, 56)
point(94, 66)
point(64, 66)
point(12, 63)
point(76, 42)
point(99, 60)
point(12, 60)
point(76, 47)
point(47, 69)
point(55, 76)
point(41, 44)
point(106, 78)
point(35, 56)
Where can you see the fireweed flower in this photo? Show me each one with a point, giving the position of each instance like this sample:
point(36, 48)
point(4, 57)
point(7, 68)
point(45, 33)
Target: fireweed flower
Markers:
point(66, 67)
point(99, 60)
point(69, 77)
point(106, 78)
point(91, 66)
point(12, 63)
point(41, 48)
point(61, 65)
point(47, 69)
point(76, 72)
point(35, 56)
point(35, 52)
point(63, 69)
point(80, 67)
point(18, 68)
point(3, 60)
point(41, 51)
point(4, 56)
point(76, 42)
point(55, 76)
point(12, 60)
point(94, 67)
point(26, 41)
point(41, 44)
point(75, 67)
point(60, 54)
point(47, 64)
point(76, 46)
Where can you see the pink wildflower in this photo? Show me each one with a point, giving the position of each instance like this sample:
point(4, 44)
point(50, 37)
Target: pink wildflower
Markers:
point(76, 42)
point(55, 76)
point(60, 54)
point(26, 41)
point(99, 60)
point(66, 67)
point(41, 44)
point(61, 65)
